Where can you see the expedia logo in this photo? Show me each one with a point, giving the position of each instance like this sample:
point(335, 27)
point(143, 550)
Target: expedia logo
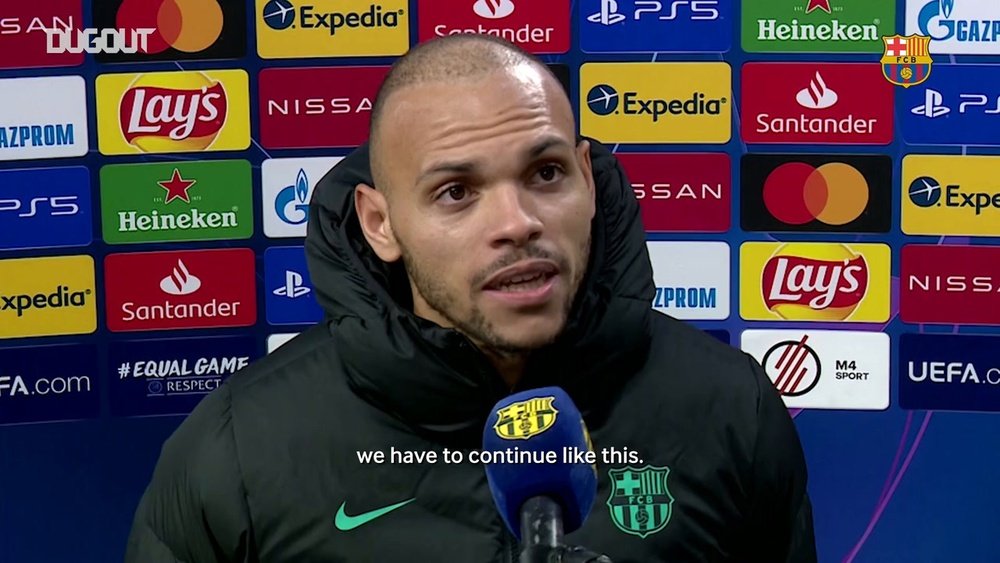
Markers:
point(927, 192)
point(603, 100)
point(62, 297)
point(282, 14)
point(525, 419)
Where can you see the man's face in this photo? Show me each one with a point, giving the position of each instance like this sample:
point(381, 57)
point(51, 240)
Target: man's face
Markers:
point(490, 203)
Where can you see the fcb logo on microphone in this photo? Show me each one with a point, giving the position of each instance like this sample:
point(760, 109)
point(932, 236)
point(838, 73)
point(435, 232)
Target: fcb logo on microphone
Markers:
point(170, 112)
point(526, 419)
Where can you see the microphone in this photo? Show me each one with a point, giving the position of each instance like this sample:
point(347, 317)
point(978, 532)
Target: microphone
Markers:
point(539, 494)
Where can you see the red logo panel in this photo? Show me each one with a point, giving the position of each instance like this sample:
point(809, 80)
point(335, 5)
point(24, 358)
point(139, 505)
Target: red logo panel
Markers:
point(23, 40)
point(829, 103)
point(537, 26)
point(681, 192)
point(950, 284)
point(180, 289)
point(323, 107)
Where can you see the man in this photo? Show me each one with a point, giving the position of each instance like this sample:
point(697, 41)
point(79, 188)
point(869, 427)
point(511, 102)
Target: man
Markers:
point(475, 247)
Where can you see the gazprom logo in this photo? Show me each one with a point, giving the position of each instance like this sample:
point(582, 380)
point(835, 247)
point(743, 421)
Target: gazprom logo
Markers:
point(291, 205)
point(936, 22)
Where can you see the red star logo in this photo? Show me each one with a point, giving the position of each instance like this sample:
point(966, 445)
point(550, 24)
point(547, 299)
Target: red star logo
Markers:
point(821, 4)
point(177, 187)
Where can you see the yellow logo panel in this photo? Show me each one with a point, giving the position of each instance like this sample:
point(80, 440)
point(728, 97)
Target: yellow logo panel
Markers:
point(681, 102)
point(815, 281)
point(951, 195)
point(47, 296)
point(525, 419)
point(171, 112)
point(332, 28)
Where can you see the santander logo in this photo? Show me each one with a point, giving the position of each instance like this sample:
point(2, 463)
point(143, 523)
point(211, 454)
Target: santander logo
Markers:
point(815, 287)
point(817, 95)
point(493, 9)
point(180, 281)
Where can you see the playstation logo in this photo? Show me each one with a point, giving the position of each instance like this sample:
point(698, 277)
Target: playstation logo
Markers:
point(932, 106)
point(608, 15)
point(279, 14)
point(602, 99)
point(293, 286)
point(925, 191)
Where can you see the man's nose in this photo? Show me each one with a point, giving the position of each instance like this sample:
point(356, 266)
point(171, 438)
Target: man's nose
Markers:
point(512, 216)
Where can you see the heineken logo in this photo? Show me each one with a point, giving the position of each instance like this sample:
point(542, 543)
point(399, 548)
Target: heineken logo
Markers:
point(640, 501)
point(816, 26)
point(176, 201)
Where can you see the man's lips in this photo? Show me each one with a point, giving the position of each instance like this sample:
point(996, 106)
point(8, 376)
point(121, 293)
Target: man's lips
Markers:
point(521, 271)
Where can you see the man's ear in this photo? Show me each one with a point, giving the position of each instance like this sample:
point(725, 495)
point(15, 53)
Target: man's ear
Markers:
point(373, 214)
point(587, 169)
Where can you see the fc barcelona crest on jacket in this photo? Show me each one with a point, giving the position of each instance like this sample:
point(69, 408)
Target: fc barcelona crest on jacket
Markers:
point(906, 61)
point(640, 500)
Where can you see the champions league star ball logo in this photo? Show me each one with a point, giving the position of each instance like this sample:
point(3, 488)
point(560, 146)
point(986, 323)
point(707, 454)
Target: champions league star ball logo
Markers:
point(906, 61)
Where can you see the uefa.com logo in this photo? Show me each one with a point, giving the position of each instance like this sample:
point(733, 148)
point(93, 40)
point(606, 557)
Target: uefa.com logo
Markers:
point(92, 40)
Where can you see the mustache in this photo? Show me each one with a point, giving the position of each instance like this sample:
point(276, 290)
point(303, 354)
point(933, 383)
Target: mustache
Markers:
point(530, 251)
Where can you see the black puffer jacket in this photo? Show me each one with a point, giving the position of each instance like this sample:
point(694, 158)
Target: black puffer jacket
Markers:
point(265, 468)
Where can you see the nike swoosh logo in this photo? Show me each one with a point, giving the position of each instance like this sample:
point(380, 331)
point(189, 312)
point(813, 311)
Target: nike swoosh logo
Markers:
point(344, 522)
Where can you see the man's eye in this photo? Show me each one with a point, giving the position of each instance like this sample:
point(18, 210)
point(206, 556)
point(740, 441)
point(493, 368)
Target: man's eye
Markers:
point(549, 172)
point(456, 192)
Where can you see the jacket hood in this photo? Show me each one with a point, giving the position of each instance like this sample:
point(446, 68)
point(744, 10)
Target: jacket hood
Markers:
point(433, 378)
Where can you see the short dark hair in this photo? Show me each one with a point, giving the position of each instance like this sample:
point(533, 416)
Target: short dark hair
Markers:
point(451, 57)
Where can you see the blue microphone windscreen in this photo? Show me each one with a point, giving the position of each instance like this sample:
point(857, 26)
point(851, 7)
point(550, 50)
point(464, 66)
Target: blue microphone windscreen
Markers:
point(530, 431)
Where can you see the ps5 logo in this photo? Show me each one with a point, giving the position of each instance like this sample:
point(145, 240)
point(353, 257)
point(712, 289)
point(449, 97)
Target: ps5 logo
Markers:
point(934, 105)
point(290, 204)
point(653, 9)
point(58, 205)
point(294, 287)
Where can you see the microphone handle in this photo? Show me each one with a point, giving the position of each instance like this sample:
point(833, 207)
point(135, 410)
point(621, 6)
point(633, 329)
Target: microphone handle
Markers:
point(541, 529)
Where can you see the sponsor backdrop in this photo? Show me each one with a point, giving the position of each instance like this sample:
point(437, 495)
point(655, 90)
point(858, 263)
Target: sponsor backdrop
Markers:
point(820, 181)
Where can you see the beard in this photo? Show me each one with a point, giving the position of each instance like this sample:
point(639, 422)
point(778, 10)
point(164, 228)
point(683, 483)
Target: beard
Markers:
point(472, 322)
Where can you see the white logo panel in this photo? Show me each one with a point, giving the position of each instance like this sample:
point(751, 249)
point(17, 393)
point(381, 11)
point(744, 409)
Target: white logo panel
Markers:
point(824, 369)
point(692, 279)
point(287, 186)
point(43, 117)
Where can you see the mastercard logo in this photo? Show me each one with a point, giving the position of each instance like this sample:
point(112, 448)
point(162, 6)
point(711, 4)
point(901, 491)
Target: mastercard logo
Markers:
point(797, 193)
point(189, 26)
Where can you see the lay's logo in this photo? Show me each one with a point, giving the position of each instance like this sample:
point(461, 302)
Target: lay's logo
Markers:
point(815, 282)
point(170, 112)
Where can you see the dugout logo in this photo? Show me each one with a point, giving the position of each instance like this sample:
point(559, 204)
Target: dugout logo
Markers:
point(319, 107)
point(327, 28)
point(816, 193)
point(950, 284)
point(176, 201)
point(681, 192)
point(610, 26)
point(176, 29)
point(816, 26)
point(537, 27)
point(169, 112)
point(692, 279)
point(180, 289)
point(824, 369)
point(45, 208)
point(43, 117)
point(809, 281)
point(47, 296)
point(24, 30)
point(951, 195)
point(828, 103)
point(656, 102)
